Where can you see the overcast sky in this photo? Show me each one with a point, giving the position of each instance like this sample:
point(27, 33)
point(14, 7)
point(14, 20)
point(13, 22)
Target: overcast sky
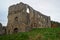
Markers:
point(48, 7)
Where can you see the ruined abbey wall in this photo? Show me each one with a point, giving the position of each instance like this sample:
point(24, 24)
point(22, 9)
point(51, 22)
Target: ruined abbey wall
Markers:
point(22, 17)
point(2, 30)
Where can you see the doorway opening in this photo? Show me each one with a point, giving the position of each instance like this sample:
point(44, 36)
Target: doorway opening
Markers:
point(15, 30)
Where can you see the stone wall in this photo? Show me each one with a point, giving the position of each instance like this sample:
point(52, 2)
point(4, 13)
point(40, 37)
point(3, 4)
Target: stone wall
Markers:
point(22, 17)
point(2, 29)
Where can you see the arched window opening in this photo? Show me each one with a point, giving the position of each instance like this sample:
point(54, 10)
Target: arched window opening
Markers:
point(27, 10)
point(15, 30)
point(16, 18)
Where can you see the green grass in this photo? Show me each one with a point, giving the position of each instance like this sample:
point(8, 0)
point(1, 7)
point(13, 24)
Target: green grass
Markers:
point(35, 34)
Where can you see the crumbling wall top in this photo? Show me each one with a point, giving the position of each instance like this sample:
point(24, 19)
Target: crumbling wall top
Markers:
point(21, 5)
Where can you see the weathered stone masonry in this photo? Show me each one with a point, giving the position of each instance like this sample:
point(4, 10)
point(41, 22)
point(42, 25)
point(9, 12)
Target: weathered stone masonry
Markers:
point(22, 17)
point(2, 29)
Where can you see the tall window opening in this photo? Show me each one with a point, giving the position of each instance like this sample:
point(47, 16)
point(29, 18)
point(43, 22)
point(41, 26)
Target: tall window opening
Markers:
point(27, 10)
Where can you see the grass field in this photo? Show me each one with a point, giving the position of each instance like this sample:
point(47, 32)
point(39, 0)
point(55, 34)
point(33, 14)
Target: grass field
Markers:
point(35, 34)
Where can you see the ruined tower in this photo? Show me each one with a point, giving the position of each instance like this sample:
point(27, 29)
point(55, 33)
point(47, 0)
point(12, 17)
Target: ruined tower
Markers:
point(22, 17)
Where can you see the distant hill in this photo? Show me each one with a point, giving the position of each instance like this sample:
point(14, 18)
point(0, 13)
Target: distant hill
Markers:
point(35, 34)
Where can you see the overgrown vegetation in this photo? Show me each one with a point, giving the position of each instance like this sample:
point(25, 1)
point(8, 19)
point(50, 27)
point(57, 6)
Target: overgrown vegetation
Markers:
point(35, 34)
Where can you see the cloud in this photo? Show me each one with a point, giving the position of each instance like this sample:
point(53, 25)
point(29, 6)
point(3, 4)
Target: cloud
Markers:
point(47, 7)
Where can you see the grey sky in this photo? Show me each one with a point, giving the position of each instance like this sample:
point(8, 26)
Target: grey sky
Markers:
point(48, 7)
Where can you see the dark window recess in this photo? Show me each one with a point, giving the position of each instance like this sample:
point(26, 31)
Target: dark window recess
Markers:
point(16, 18)
point(15, 30)
point(31, 25)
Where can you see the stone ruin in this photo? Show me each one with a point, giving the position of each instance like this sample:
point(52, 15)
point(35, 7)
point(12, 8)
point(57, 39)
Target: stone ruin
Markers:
point(22, 18)
point(2, 29)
